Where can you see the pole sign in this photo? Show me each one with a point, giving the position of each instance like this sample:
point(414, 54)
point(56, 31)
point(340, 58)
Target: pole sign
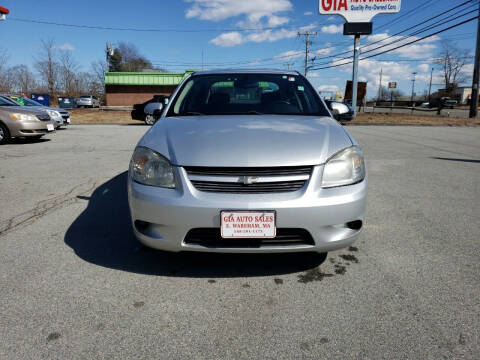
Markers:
point(3, 13)
point(359, 10)
point(392, 85)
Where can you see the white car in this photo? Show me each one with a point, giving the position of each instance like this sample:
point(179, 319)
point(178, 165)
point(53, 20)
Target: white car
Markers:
point(87, 101)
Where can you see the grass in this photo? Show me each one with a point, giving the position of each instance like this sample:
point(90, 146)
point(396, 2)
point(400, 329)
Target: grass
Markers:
point(89, 116)
point(407, 119)
point(102, 117)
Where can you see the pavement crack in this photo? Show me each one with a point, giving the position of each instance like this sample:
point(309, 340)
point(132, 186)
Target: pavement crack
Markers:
point(44, 207)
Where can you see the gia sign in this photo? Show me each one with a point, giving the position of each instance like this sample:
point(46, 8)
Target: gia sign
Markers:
point(359, 10)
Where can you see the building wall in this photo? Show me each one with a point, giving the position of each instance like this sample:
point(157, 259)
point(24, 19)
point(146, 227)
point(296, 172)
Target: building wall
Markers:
point(127, 95)
point(464, 93)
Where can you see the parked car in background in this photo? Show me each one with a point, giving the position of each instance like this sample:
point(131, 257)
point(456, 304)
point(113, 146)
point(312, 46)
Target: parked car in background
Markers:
point(22, 121)
point(342, 112)
point(443, 102)
point(247, 161)
point(87, 101)
point(60, 116)
point(145, 111)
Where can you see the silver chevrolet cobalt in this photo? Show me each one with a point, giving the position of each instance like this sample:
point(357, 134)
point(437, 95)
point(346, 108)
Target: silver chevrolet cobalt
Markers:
point(247, 161)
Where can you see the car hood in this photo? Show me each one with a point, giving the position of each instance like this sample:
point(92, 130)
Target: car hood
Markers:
point(23, 110)
point(246, 140)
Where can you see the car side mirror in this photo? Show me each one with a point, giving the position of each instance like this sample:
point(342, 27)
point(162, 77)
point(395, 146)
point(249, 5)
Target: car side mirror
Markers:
point(339, 111)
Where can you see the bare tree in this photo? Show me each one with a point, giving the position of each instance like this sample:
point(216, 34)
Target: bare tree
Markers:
point(23, 79)
point(67, 73)
point(99, 68)
point(6, 78)
point(451, 60)
point(47, 66)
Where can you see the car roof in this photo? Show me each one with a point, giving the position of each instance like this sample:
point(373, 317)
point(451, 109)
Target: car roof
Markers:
point(247, 71)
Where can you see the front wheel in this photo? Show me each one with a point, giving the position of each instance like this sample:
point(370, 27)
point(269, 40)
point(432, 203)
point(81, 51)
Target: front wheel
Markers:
point(4, 134)
point(149, 119)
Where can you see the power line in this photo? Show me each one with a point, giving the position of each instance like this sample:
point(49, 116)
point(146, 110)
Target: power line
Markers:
point(429, 27)
point(401, 46)
point(111, 28)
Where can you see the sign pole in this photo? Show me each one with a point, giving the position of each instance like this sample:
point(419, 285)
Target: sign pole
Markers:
point(356, 46)
point(475, 82)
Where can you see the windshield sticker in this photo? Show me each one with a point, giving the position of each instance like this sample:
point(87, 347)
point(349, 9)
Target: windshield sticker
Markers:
point(291, 78)
point(301, 88)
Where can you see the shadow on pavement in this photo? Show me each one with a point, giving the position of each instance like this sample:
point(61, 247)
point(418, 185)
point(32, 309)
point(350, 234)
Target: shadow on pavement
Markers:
point(26, 140)
point(459, 160)
point(103, 235)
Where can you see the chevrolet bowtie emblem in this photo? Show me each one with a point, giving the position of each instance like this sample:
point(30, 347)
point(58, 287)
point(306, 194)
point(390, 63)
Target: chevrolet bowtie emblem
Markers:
point(248, 180)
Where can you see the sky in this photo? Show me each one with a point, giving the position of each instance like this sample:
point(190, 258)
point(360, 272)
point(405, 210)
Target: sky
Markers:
point(209, 34)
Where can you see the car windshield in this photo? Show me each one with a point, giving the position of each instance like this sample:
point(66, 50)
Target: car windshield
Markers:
point(26, 102)
point(254, 94)
point(5, 102)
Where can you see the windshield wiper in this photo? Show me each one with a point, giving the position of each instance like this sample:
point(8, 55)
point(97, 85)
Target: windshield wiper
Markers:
point(254, 112)
point(190, 113)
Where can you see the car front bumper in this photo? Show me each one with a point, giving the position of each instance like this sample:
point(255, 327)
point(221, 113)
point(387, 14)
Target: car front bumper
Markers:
point(162, 218)
point(30, 128)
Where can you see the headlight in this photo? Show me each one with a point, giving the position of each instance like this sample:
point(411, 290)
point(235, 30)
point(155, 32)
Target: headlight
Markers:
point(53, 113)
point(344, 168)
point(24, 117)
point(150, 168)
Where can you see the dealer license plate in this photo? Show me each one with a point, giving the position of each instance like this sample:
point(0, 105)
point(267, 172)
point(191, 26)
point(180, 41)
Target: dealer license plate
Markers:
point(248, 224)
point(50, 127)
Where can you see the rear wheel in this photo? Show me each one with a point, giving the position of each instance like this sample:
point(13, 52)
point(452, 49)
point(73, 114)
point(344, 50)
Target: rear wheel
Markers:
point(4, 134)
point(149, 119)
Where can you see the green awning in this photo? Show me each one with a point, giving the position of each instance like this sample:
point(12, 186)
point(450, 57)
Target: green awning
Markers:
point(145, 78)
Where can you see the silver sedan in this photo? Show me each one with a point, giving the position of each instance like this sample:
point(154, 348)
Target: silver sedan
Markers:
point(247, 162)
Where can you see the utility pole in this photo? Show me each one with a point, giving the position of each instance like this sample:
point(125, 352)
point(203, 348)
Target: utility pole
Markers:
point(430, 87)
point(108, 52)
point(413, 87)
point(475, 82)
point(307, 44)
point(288, 65)
point(380, 86)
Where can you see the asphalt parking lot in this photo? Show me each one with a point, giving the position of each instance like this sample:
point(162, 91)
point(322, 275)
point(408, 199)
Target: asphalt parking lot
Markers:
point(74, 283)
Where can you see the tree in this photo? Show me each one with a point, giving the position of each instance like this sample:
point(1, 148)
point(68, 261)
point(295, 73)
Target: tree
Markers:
point(67, 73)
point(23, 79)
point(6, 80)
point(127, 58)
point(47, 66)
point(451, 60)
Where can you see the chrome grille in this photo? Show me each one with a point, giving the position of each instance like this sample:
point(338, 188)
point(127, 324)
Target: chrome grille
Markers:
point(249, 171)
point(272, 187)
point(249, 180)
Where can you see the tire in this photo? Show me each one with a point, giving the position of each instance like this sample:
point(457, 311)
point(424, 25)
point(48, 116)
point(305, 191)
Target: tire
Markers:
point(149, 119)
point(4, 134)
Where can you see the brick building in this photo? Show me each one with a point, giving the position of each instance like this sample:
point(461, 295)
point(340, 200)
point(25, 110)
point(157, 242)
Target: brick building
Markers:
point(128, 88)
